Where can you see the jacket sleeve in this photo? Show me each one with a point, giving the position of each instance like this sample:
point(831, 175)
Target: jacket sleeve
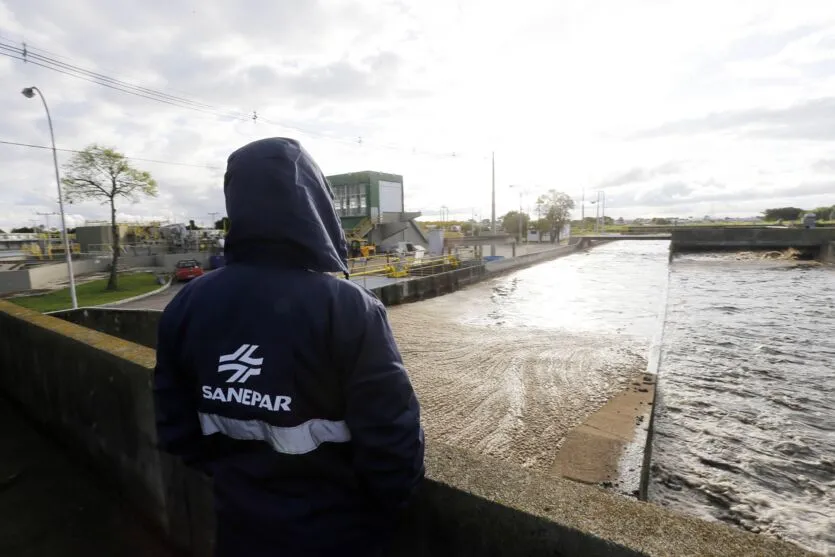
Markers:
point(175, 393)
point(382, 411)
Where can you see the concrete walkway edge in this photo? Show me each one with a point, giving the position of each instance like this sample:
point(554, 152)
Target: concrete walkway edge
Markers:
point(159, 290)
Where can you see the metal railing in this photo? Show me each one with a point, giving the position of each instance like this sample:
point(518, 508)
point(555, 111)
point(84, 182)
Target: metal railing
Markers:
point(398, 265)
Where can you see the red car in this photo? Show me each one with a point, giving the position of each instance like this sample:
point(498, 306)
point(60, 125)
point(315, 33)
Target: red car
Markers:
point(188, 269)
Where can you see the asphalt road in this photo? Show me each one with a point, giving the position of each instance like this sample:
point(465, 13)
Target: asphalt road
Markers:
point(157, 301)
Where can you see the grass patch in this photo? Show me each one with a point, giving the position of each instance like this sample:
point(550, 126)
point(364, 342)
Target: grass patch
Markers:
point(92, 293)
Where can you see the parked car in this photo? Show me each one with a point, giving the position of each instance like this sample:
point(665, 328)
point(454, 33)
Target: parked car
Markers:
point(187, 269)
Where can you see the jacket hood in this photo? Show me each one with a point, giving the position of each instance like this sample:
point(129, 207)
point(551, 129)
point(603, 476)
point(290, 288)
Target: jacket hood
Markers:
point(280, 208)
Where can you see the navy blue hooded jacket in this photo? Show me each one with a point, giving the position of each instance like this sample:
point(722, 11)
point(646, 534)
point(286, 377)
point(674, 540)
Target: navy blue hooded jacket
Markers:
point(283, 381)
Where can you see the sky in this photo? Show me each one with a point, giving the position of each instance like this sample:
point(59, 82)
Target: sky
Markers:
point(671, 107)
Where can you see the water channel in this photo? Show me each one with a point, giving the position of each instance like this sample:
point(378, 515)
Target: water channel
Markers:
point(746, 412)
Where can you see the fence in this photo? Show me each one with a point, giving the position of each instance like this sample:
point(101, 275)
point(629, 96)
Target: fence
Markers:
point(398, 265)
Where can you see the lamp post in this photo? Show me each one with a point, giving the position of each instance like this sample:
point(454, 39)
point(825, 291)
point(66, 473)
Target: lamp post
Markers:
point(29, 93)
point(603, 210)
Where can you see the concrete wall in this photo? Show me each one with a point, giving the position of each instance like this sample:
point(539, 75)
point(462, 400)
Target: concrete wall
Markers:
point(828, 253)
point(93, 392)
point(41, 276)
point(527, 260)
point(14, 281)
point(44, 275)
point(428, 287)
point(135, 325)
point(730, 238)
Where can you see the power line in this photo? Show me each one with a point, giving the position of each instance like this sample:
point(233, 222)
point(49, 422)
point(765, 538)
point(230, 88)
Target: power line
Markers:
point(18, 54)
point(140, 159)
point(25, 54)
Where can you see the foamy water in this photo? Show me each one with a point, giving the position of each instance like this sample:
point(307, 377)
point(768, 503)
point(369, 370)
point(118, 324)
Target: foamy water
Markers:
point(508, 367)
point(745, 423)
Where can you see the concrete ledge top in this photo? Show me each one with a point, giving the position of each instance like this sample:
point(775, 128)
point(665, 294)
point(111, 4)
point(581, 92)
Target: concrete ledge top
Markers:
point(555, 514)
point(638, 527)
point(141, 355)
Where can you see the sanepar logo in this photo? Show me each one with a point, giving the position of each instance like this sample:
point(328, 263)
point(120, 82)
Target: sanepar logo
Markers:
point(240, 361)
point(243, 363)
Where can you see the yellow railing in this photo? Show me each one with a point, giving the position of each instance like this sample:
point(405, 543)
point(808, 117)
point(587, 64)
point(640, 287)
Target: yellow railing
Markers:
point(396, 265)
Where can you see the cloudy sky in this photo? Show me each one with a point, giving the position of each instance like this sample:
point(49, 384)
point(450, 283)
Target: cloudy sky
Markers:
point(671, 107)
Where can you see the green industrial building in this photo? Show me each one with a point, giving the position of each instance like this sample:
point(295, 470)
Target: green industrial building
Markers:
point(371, 206)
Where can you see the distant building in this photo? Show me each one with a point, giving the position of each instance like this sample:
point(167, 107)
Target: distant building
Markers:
point(99, 237)
point(370, 205)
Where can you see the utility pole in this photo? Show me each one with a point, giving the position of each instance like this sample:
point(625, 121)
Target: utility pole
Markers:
point(47, 217)
point(603, 211)
point(583, 209)
point(493, 213)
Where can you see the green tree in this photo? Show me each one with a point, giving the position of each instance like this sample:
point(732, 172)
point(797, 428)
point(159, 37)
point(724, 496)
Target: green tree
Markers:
point(192, 226)
point(825, 213)
point(510, 223)
point(783, 213)
point(104, 174)
point(23, 230)
point(556, 208)
point(541, 226)
point(660, 221)
point(222, 224)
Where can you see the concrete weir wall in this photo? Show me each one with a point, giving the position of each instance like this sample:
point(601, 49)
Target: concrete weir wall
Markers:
point(92, 391)
point(733, 238)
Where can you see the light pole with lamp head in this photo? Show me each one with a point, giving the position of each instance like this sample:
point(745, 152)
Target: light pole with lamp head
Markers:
point(29, 93)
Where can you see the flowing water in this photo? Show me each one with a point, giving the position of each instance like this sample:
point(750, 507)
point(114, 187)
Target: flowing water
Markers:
point(509, 366)
point(745, 422)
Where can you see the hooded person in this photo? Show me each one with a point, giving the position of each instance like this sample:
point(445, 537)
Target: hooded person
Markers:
point(284, 382)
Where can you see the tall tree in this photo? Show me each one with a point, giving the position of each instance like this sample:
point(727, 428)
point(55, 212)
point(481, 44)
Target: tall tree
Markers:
point(557, 208)
point(104, 174)
point(510, 223)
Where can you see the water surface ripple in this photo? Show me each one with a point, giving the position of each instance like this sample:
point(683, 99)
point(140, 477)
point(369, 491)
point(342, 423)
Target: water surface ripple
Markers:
point(745, 423)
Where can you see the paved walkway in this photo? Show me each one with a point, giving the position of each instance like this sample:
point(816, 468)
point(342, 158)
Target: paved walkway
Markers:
point(157, 301)
point(50, 505)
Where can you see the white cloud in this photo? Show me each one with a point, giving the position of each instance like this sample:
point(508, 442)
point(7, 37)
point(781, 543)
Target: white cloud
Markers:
point(558, 89)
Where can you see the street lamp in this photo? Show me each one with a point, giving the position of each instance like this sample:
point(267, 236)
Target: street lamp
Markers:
point(29, 93)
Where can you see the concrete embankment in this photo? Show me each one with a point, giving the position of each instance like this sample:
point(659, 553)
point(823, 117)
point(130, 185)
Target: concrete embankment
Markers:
point(526, 260)
point(755, 238)
point(421, 288)
point(92, 390)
